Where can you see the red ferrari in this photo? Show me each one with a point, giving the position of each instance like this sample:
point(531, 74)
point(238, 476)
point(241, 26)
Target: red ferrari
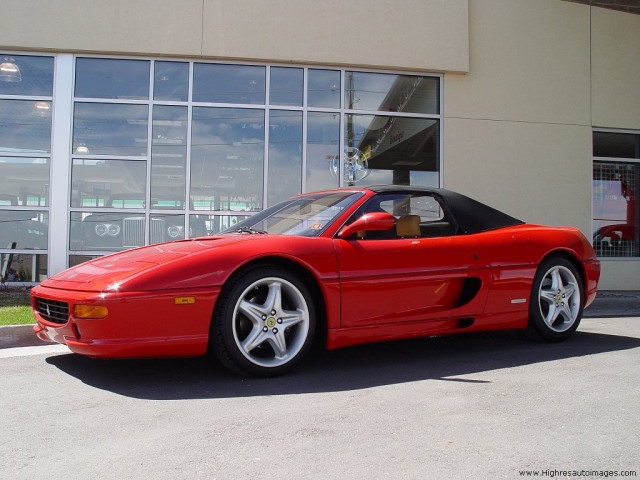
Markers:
point(342, 267)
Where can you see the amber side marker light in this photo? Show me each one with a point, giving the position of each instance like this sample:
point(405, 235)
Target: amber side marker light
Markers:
point(90, 311)
point(184, 300)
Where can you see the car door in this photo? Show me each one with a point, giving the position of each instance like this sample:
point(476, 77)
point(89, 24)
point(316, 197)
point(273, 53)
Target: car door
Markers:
point(403, 276)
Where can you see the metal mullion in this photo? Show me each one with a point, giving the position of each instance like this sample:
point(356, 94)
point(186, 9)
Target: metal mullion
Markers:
point(381, 113)
point(305, 123)
point(147, 190)
point(341, 124)
point(441, 133)
point(246, 106)
point(33, 98)
point(187, 167)
point(616, 160)
point(267, 120)
point(118, 101)
point(27, 154)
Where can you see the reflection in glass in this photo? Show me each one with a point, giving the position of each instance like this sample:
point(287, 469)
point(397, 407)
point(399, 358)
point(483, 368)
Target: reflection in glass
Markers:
point(26, 75)
point(24, 268)
point(227, 159)
point(285, 155)
point(112, 78)
point(214, 224)
point(27, 229)
point(75, 260)
point(25, 126)
point(323, 88)
point(165, 228)
point(108, 183)
point(24, 181)
point(168, 157)
point(110, 129)
point(286, 86)
point(393, 147)
point(106, 231)
point(615, 207)
point(228, 83)
point(323, 138)
point(171, 81)
point(392, 93)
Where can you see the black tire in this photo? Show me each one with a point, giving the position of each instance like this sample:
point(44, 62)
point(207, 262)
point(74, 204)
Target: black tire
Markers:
point(264, 322)
point(557, 300)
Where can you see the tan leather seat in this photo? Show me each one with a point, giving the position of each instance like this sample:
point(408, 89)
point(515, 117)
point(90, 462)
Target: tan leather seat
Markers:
point(408, 226)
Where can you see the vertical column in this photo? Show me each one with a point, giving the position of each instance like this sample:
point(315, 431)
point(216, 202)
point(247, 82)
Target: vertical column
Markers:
point(60, 163)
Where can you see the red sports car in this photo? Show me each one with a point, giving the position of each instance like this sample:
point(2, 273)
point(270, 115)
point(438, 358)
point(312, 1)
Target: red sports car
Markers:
point(341, 267)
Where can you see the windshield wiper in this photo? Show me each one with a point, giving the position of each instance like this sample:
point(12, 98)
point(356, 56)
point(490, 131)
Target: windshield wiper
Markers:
point(248, 230)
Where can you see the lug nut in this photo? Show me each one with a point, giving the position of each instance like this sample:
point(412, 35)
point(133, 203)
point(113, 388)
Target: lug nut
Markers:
point(279, 320)
point(273, 312)
point(265, 329)
point(275, 330)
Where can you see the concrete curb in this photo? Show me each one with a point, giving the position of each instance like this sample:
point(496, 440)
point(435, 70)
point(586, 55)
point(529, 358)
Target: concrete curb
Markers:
point(606, 304)
point(19, 336)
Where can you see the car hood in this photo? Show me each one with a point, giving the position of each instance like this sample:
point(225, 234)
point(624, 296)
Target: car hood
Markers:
point(168, 265)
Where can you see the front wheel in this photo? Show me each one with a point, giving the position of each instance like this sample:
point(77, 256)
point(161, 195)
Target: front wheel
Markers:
point(557, 300)
point(264, 322)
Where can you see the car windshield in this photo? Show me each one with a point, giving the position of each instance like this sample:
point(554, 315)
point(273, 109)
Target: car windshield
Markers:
point(307, 216)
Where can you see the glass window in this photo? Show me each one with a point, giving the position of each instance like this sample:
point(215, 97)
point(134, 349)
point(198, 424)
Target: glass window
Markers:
point(26, 75)
point(227, 156)
point(106, 231)
point(323, 88)
point(307, 216)
point(418, 215)
point(392, 93)
point(323, 156)
point(75, 260)
point(108, 183)
point(25, 126)
point(24, 181)
point(213, 224)
point(110, 129)
point(286, 86)
point(168, 157)
point(385, 149)
point(615, 209)
point(112, 78)
point(19, 267)
point(165, 228)
point(616, 145)
point(285, 155)
point(28, 230)
point(171, 81)
point(216, 83)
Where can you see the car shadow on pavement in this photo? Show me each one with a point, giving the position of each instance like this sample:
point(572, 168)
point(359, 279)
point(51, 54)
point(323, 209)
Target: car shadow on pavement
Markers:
point(436, 358)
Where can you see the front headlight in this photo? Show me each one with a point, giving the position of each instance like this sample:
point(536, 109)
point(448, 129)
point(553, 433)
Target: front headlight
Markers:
point(175, 231)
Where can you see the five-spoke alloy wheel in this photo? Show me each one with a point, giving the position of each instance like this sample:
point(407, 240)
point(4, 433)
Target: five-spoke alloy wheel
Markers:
point(265, 323)
point(557, 300)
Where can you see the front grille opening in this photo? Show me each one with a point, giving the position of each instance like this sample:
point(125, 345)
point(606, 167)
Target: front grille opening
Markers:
point(52, 310)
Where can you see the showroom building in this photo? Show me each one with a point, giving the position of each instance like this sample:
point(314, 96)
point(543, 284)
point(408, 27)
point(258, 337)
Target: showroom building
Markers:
point(132, 123)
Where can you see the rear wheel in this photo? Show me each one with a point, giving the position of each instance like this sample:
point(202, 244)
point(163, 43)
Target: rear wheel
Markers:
point(264, 322)
point(557, 300)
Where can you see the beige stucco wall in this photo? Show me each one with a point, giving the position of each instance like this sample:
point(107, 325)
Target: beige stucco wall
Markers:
point(430, 35)
point(616, 69)
point(517, 127)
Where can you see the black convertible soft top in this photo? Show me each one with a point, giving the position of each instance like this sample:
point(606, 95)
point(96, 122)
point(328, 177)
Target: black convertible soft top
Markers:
point(470, 215)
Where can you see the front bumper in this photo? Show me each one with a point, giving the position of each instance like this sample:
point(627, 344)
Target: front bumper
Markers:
point(139, 324)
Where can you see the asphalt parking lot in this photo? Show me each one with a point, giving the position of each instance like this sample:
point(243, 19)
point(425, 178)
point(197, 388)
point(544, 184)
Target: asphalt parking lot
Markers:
point(468, 406)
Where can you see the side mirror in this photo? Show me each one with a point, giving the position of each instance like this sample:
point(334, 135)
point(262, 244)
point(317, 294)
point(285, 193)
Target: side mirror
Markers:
point(368, 222)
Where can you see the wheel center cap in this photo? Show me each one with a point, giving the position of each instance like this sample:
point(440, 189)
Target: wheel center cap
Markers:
point(558, 298)
point(271, 322)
